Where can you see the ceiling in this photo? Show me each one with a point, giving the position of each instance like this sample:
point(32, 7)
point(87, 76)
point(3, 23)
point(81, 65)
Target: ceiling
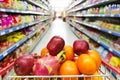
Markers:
point(59, 5)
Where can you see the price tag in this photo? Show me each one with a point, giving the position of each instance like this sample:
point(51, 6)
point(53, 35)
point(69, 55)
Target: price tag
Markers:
point(17, 28)
point(17, 44)
point(12, 11)
point(99, 28)
point(2, 33)
point(110, 49)
point(3, 10)
point(10, 30)
point(98, 41)
point(4, 54)
point(110, 32)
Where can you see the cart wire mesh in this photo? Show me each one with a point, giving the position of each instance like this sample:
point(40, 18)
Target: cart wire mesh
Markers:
point(104, 75)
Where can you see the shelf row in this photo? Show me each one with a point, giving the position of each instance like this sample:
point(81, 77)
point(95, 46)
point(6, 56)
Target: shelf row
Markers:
point(22, 12)
point(98, 28)
point(46, 3)
point(20, 27)
point(114, 70)
point(98, 41)
point(13, 47)
point(12, 63)
point(92, 5)
point(75, 3)
point(35, 3)
point(39, 38)
point(97, 15)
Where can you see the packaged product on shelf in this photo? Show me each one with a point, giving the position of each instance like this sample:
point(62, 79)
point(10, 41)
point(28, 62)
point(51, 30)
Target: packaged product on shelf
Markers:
point(17, 19)
point(8, 4)
point(1, 3)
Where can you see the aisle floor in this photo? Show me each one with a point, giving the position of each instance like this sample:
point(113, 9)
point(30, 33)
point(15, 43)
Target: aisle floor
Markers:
point(60, 28)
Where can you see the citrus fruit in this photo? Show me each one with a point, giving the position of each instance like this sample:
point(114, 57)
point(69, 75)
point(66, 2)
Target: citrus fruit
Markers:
point(44, 52)
point(69, 68)
point(86, 64)
point(69, 52)
point(96, 56)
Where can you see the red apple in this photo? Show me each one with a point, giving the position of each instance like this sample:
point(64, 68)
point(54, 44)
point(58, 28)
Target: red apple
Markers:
point(80, 46)
point(55, 45)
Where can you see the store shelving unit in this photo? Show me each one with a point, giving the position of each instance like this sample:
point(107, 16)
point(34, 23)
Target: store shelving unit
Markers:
point(39, 5)
point(110, 68)
point(75, 13)
point(75, 4)
point(97, 15)
point(21, 11)
point(99, 28)
point(100, 42)
point(39, 38)
point(4, 32)
point(92, 5)
point(29, 51)
point(16, 45)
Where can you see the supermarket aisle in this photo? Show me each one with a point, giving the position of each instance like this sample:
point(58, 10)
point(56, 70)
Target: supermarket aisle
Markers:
point(58, 27)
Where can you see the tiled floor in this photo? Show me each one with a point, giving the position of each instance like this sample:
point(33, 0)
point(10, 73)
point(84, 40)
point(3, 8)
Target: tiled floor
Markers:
point(58, 27)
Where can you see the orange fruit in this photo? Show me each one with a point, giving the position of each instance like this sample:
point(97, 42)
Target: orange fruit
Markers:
point(96, 56)
point(69, 68)
point(86, 64)
point(44, 52)
point(69, 52)
point(95, 77)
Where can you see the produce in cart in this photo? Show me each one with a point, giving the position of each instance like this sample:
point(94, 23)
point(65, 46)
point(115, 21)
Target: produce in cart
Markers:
point(64, 61)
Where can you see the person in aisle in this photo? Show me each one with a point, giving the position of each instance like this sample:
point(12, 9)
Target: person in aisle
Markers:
point(64, 16)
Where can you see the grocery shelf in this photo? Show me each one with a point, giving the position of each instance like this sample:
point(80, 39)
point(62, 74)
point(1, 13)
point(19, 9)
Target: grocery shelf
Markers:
point(39, 38)
point(36, 42)
point(22, 12)
point(39, 5)
point(76, 3)
point(92, 5)
point(12, 48)
point(20, 27)
point(98, 28)
point(100, 42)
point(111, 69)
point(16, 45)
point(45, 2)
point(97, 15)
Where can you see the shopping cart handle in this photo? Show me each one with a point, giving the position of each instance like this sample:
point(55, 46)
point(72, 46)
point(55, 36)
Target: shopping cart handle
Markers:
point(111, 67)
point(6, 68)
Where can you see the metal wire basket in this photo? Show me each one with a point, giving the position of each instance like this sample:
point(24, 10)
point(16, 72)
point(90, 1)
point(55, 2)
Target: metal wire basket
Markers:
point(104, 75)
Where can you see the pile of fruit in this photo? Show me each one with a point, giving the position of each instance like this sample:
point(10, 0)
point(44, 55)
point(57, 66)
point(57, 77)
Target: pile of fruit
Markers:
point(60, 59)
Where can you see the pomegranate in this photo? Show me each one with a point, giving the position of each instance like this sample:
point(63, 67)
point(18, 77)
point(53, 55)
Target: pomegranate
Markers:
point(24, 64)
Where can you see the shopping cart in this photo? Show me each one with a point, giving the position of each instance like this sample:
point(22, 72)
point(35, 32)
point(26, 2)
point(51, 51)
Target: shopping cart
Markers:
point(103, 70)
